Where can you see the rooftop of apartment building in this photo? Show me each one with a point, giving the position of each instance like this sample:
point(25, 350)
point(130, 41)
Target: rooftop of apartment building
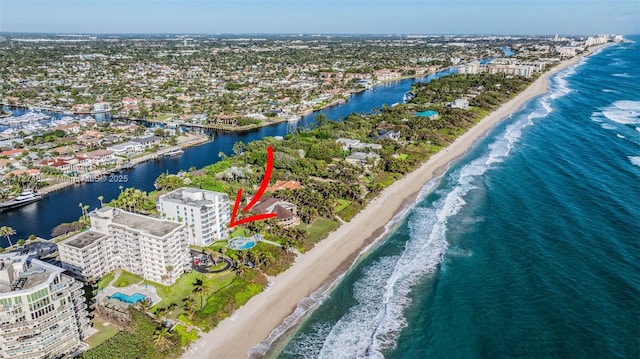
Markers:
point(84, 239)
point(21, 272)
point(192, 196)
point(152, 226)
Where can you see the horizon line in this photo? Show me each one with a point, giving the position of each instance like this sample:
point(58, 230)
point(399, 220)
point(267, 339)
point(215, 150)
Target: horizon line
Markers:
point(300, 33)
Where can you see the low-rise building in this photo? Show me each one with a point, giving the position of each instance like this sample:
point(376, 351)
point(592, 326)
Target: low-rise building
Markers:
point(126, 148)
point(286, 212)
point(42, 311)
point(207, 213)
point(155, 249)
point(147, 141)
point(461, 103)
point(362, 159)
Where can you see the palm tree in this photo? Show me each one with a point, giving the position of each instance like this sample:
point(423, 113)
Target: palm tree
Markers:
point(101, 198)
point(241, 269)
point(199, 287)
point(81, 209)
point(162, 339)
point(6, 231)
point(189, 306)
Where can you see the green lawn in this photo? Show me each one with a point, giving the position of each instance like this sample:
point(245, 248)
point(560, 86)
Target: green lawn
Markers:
point(348, 213)
point(403, 156)
point(217, 245)
point(127, 279)
point(163, 117)
point(240, 232)
point(104, 281)
point(320, 228)
point(385, 179)
point(342, 204)
point(104, 332)
point(184, 288)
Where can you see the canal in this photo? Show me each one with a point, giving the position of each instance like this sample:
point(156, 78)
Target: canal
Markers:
point(62, 206)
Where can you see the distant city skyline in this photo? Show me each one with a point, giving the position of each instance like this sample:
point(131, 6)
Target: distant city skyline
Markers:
point(498, 17)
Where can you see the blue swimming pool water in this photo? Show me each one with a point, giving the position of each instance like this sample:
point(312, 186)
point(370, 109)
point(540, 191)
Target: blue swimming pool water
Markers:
point(247, 245)
point(131, 299)
point(241, 244)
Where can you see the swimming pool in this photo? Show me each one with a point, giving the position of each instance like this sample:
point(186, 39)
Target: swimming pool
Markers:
point(242, 243)
point(131, 299)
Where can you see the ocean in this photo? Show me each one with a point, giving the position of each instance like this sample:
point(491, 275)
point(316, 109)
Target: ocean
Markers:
point(526, 247)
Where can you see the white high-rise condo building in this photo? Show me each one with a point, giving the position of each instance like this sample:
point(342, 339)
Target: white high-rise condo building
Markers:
point(42, 311)
point(155, 249)
point(206, 213)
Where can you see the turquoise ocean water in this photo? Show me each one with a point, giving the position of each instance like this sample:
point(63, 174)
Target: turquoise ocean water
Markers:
point(527, 247)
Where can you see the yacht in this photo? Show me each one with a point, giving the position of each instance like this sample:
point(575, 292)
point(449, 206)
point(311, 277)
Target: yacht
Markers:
point(174, 152)
point(27, 196)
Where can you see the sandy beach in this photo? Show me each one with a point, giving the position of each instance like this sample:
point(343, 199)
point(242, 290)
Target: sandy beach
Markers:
point(253, 322)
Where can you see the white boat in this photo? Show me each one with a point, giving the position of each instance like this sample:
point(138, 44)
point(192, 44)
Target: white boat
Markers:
point(27, 196)
point(174, 152)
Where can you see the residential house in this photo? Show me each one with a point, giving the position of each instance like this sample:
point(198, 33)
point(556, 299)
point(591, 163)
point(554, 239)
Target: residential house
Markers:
point(286, 212)
point(147, 141)
point(126, 148)
point(99, 157)
point(362, 159)
point(388, 135)
point(290, 185)
point(461, 103)
point(70, 128)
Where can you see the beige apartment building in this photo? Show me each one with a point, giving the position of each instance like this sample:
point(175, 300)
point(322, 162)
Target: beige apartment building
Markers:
point(42, 311)
point(206, 213)
point(155, 249)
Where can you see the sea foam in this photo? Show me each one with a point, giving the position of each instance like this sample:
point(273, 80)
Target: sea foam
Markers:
point(635, 160)
point(374, 323)
point(623, 112)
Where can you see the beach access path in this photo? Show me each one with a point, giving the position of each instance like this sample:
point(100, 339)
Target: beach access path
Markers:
point(254, 321)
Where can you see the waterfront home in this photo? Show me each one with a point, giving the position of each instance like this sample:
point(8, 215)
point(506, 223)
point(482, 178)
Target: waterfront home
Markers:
point(98, 157)
point(147, 141)
point(461, 103)
point(32, 172)
point(12, 153)
point(127, 148)
point(290, 185)
point(286, 211)
point(388, 135)
point(348, 143)
point(362, 159)
point(70, 128)
point(58, 164)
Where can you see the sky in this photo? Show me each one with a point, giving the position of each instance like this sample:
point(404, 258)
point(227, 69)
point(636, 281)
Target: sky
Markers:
point(501, 17)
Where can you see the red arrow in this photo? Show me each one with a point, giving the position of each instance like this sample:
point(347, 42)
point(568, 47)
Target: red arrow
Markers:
point(254, 200)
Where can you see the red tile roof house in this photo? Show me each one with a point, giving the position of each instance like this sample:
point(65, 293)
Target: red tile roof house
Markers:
point(11, 153)
point(290, 185)
point(286, 211)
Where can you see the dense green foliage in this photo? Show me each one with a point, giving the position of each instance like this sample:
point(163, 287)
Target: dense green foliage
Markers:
point(139, 340)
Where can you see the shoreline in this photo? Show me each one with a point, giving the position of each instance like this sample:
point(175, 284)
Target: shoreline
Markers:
point(332, 257)
point(71, 181)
